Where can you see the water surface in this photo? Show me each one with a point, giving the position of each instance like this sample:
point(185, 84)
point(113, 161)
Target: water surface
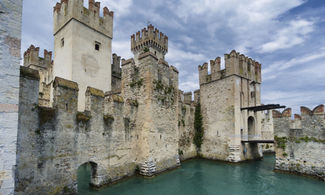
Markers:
point(204, 177)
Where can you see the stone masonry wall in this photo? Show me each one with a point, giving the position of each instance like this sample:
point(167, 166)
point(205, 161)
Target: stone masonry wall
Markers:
point(10, 41)
point(300, 143)
point(153, 84)
point(118, 133)
point(186, 110)
point(267, 131)
point(54, 142)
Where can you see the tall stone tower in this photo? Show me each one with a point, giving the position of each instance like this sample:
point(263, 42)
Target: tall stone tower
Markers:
point(10, 39)
point(224, 95)
point(153, 83)
point(83, 45)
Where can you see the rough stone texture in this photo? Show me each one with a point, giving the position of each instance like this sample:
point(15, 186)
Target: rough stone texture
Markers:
point(186, 111)
point(267, 131)
point(10, 39)
point(300, 143)
point(222, 95)
point(154, 85)
point(61, 141)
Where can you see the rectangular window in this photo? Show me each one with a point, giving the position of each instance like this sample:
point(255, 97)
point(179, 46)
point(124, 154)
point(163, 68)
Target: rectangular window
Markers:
point(253, 94)
point(97, 46)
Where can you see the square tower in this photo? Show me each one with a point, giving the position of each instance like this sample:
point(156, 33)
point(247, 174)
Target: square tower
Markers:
point(83, 45)
point(223, 95)
point(150, 40)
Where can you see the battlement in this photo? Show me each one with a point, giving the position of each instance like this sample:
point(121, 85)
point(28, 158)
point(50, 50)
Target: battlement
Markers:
point(304, 112)
point(67, 10)
point(32, 58)
point(235, 64)
point(149, 37)
point(308, 123)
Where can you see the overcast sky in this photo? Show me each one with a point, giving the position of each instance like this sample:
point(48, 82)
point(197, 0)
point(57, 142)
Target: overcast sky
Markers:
point(286, 36)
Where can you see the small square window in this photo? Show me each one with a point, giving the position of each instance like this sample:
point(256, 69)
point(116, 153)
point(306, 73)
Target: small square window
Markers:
point(62, 42)
point(97, 46)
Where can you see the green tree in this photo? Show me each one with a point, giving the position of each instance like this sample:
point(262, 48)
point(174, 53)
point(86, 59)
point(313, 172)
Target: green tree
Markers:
point(198, 127)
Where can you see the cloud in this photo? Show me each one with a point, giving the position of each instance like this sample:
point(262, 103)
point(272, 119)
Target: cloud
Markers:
point(121, 8)
point(189, 86)
point(273, 70)
point(176, 54)
point(295, 33)
point(295, 99)
point(122, 48)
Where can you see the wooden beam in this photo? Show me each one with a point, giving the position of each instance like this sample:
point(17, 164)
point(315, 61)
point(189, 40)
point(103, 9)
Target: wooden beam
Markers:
point(263, 107)
point(259, 141)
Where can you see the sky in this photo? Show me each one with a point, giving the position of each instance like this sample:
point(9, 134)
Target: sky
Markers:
point(286, 36)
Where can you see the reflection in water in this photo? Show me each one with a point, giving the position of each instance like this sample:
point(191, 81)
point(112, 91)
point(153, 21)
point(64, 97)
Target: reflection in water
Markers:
point(204, 177)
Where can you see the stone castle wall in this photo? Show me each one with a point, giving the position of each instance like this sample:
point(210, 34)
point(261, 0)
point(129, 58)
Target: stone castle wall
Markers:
point(118, 133)
point(186, 113)
point(10, 42)
point(267, 131)
point(300, 142)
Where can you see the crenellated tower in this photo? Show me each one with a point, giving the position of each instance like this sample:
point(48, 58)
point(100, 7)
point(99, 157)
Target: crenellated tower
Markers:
point(44, 65)
point(83, 45)
point(149, 39)
point(152, 84)
point(224, 95)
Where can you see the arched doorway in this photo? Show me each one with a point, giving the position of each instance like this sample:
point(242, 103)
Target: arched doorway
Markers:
point(251, 127)
point(86, 172)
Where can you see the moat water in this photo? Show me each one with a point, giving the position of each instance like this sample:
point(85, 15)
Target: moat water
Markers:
point(204, 177)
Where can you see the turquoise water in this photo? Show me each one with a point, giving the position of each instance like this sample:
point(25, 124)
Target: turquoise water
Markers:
point(204, 177)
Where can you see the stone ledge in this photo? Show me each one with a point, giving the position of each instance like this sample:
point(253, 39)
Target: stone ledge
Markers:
point(28, 72)
point(95, 92)
point(144, 55)
point(83, 116)
point(163, 62)
point(125, 62)
point(65, 83)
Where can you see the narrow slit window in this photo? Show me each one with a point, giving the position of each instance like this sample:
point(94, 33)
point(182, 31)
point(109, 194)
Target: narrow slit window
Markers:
point(62, 42)
point(97, 46)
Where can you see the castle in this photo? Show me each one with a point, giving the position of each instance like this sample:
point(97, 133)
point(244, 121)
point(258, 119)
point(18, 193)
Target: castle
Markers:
point(124, 115)
point(89, 106)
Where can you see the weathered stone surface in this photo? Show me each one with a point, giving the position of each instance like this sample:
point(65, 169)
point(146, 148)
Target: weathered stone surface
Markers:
point(186, 111)
point(267, 131)
point(300, 143)
point(10, 42)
